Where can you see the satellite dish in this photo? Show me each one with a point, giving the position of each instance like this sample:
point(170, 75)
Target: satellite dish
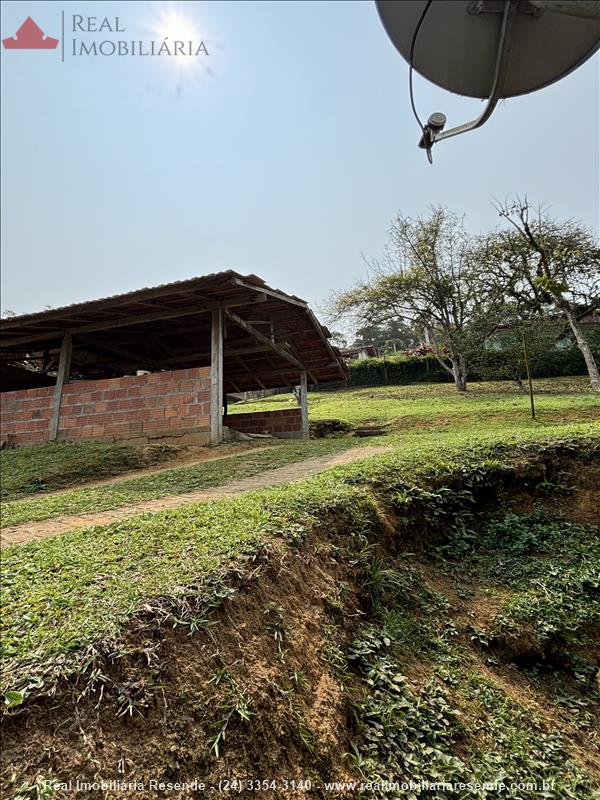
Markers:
point(490, 49)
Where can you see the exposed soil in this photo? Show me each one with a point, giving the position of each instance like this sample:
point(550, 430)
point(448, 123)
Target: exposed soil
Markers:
point(288, 687)
point(577, 495)
point(19, 534)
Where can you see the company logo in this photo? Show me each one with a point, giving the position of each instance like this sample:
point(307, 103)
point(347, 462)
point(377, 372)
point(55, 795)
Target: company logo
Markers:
point(30, 37)
point(176, 38)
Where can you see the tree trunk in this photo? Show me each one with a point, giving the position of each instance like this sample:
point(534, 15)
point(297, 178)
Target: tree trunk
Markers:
point(459, 373)
point(586, 350)
point(457, 363)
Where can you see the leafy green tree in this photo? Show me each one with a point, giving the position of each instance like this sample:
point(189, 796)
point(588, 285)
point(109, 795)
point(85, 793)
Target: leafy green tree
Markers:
point(393, 334)
point(338, 339)
point(430, 279)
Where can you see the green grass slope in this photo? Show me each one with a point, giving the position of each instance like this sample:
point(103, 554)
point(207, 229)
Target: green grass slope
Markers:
point(64, 594)
point(46, 466)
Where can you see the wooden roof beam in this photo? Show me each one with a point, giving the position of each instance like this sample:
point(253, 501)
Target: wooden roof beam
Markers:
point(263, 339)
point(93, 327)
point(231, 351)
point(295, 301)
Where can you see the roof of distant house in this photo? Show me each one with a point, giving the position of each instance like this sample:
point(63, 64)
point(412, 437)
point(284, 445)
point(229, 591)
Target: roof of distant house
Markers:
point(367, 350)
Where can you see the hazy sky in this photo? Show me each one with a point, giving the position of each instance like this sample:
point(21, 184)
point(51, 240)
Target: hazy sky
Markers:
point(285, 152)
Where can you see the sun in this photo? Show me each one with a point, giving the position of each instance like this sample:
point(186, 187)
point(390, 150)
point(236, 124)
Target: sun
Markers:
point(174, 26)
point(184, 43)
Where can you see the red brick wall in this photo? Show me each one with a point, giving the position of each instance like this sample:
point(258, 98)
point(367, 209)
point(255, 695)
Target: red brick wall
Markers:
point(287, 423)
point(162, 403)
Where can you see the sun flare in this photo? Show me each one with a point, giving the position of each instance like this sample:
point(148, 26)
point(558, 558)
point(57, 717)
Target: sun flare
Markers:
point(179, 32)
point(175, 26)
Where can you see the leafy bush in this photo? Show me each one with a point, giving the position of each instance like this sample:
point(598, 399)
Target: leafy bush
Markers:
point(326, 428)
point(406, 734)
point(397, 369)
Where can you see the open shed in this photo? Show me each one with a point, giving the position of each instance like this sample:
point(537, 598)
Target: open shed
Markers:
point(160, 361)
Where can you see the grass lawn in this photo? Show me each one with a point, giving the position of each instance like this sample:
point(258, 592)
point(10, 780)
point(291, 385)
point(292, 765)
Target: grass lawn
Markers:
point(61, 596)
point(419, 417)
point(45, 467)
point(179, 480)
point(439, 405)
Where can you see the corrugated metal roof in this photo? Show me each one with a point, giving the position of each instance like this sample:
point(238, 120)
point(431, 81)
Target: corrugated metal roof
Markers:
point(213, 277)
point(142, 324)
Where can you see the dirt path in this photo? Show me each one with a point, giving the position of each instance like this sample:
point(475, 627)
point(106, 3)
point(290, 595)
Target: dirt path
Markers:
point(19, 534)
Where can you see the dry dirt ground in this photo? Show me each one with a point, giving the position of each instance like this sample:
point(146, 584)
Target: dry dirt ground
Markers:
point(19, 534)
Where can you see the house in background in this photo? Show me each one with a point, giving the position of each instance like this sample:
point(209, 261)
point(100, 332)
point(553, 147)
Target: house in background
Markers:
point(558, 323)
point(157, 363)
point(359, 353)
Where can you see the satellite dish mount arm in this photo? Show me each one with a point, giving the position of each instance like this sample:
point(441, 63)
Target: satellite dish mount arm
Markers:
point(433, 133)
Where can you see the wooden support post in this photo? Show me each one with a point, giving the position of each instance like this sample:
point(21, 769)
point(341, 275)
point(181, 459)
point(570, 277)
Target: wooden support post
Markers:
point(304, 403)
point(64, 368)
point(216, 377)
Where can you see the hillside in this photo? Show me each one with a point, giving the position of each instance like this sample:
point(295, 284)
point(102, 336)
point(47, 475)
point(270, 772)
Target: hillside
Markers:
point(427, 614)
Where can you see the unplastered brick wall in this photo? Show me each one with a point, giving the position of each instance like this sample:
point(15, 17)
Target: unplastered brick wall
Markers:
point(286, 423)
point(140, 406)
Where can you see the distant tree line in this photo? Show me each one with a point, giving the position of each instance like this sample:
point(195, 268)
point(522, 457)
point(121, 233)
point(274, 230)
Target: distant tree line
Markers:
point(475, 300)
